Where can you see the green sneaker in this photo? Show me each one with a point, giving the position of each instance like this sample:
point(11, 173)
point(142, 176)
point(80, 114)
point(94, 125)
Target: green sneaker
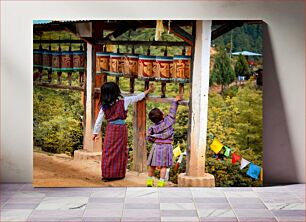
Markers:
point(150, 182)
point(161, 183)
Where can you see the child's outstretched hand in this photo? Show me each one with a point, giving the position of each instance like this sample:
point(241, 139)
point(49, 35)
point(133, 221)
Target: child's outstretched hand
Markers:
point(95, 137)
point(178, 98)
point(151, 89)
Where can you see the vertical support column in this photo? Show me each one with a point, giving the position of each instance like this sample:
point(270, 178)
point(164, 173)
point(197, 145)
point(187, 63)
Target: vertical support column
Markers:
point(96, 83)
point(139, 132)
point(89, 144)
point(50, 63)
point(59, 73)
point(132, 84)
point(181, 89)
point(163, 90)
point(196, 175)
point(139, 141)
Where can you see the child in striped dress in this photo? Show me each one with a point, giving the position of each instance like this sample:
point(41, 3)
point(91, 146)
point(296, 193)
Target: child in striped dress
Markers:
point(161, 135)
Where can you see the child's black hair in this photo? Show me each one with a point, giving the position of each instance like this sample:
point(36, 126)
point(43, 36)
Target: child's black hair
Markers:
point(155, 115)
point(110, 93)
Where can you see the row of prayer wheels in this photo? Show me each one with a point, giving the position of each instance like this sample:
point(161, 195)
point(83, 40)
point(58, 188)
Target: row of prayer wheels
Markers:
point(60, 61)
point(145, 66)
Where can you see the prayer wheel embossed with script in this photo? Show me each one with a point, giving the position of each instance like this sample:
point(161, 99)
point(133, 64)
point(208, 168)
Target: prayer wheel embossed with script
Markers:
point(181, 66)
point(103, 61)
point(130, 67)
point(78, 61)
point(163, 66)
point(116, 62)
point(56, 61)
point(145, 66)
point(66, 61)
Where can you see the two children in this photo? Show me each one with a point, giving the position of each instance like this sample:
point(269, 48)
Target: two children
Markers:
point(115, 152)
point(114, 108)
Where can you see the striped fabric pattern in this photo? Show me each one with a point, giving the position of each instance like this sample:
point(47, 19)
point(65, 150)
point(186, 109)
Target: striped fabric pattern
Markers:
point(160, 155)
point(115, 151)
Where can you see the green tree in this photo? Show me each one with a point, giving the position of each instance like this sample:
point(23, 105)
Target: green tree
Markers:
point(223, 72)
point(249, 117)
point(242, 67)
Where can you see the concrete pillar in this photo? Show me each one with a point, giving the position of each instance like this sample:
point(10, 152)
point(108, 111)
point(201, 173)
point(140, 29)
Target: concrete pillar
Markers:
point(91, 149)
point(196, 175)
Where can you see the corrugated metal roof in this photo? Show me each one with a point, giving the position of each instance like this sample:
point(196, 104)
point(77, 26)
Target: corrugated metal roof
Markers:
point(41, 21)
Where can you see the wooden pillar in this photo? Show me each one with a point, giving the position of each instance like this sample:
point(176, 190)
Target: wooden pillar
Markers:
point(132, 84)
point(181, 89)
point(139, 132)
point(96, 82)
point(196, 175)
point(163, 90)
point(139, 141)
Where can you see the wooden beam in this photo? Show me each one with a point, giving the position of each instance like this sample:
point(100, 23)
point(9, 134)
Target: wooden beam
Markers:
point(149, 98)
point(121, 29)
point(56, 86)
point(143, 43)
point(156, 99)
point(45, 41)
point(179, 32)
point(225, 28)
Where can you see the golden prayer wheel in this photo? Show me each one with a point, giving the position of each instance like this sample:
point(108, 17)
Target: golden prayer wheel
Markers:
point(181, 66)
point(116, 62)
point(145, 65)
point(163, 66)
point(103, 61)
point(130, 65)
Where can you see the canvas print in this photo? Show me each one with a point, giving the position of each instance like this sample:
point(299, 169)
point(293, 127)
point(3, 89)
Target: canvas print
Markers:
point(112, 103)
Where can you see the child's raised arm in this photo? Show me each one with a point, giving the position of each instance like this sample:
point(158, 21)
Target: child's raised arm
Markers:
point(132, 99)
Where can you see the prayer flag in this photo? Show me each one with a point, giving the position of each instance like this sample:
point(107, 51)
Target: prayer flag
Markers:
point(235, 158)
point(159, 29)
point(253, 171)
point(180, 158)
point(243, 163)
point(177, 151)
point(227, 151)
point(216, 146)
point(177, 165)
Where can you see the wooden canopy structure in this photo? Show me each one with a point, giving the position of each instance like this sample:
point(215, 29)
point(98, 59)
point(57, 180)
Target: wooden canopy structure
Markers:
point(95, 34)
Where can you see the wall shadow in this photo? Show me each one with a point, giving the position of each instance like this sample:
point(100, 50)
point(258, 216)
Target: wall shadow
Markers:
point(279, 164)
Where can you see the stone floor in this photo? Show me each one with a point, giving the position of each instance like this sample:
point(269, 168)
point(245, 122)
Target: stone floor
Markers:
point(21, 202)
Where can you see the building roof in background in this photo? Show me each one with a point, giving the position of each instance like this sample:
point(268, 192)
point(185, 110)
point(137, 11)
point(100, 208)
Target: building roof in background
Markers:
point(246, 53)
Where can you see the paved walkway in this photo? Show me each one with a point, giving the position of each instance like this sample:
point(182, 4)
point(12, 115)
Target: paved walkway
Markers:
point(21, 202)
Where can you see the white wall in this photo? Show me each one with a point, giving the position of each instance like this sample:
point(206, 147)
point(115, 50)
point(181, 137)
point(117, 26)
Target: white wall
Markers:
point(284, 95)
